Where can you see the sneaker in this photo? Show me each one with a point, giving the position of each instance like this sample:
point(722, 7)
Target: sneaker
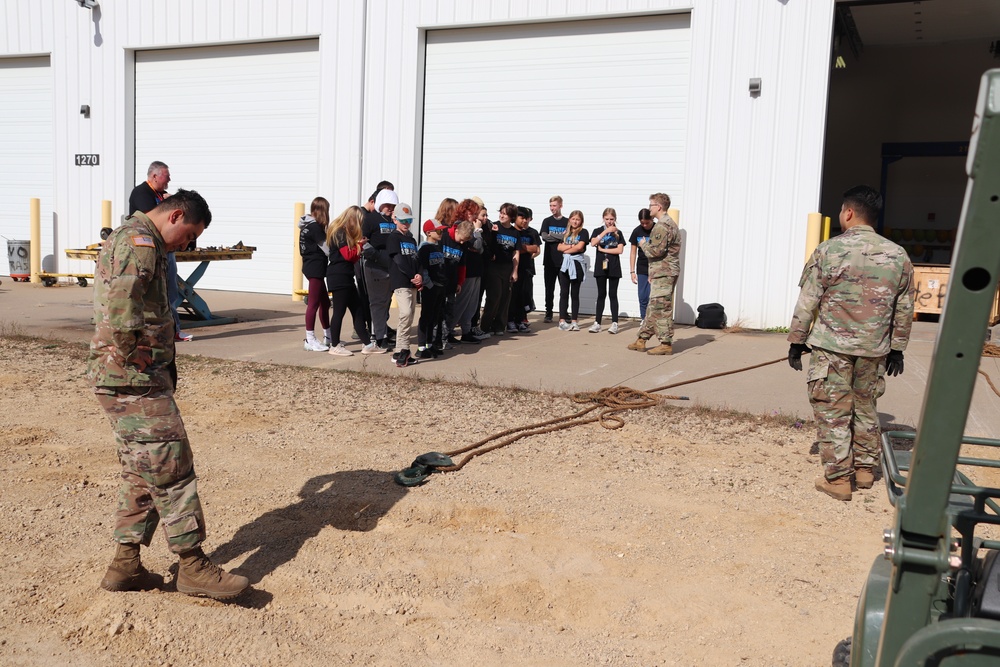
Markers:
point(523, 327)
point(446, 345)
point(480, 334)
point(340, 351)
point(563, 326)
point(469, 338)
point(498, 333)
point(574, 326)
point(548, 318)
point(613, 329)
point(424, 353)
point(454, 340)
point(511, 327)
point(373, 348)
point(314, 346)
point(595, 328)
point(183, 337)
point(405, 359)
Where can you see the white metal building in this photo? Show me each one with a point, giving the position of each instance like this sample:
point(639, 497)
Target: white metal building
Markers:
point(259, 104)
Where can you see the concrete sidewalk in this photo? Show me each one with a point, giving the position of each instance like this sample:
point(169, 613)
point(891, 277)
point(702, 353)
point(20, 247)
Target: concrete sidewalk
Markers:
point(270, 330)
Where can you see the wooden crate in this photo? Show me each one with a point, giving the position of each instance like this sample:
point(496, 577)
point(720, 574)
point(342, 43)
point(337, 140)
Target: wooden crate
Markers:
point(930, 283)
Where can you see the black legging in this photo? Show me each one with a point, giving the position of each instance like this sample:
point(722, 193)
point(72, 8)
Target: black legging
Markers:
point(602, 291)
point(344, 299)
point(569, 288)
point(551, 277)
point(431, 311)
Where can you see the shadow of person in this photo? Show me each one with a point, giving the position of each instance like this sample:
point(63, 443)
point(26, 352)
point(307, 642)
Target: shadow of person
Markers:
point(347, 500)
point(694, 341)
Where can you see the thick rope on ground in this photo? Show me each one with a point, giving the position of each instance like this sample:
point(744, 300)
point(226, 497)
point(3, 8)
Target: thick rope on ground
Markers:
point(609, 404)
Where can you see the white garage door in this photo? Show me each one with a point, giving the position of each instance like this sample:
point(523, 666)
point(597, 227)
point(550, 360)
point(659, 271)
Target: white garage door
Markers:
point(594, 111)
point(26, 146)
point(239, 124)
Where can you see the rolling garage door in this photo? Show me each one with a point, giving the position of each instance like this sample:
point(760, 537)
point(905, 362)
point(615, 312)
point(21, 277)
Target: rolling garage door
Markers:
point(26, 165)
point(594, 111)
point(239, 124)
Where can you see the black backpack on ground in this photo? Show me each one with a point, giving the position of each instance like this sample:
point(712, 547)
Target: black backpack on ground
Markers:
point(711, 316)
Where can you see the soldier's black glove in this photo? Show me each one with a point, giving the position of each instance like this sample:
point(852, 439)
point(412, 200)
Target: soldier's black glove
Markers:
point(795, 352)
point(894, 363)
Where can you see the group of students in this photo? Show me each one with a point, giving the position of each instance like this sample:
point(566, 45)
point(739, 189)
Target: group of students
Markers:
point(366, 256)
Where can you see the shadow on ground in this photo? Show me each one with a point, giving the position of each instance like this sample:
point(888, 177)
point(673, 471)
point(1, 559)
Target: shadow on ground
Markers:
point(349, 500)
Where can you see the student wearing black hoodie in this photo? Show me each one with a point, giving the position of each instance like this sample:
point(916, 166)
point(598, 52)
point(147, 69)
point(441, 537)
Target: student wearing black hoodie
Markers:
point(314, 252)
point(404, 278)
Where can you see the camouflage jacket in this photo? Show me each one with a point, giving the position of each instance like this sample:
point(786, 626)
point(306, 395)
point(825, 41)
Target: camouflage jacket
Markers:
point(855, 295)
point(663, 249)
point(133, 341)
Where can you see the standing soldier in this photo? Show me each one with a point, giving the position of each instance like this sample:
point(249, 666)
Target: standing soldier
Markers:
point(130, 354)
point(855, 295)
point(663, 250)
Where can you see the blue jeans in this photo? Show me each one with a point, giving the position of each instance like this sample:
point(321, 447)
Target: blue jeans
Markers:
point(643, 293)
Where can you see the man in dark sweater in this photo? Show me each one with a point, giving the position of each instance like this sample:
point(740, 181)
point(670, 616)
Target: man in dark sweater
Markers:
point(552, 232)
point(377, 227)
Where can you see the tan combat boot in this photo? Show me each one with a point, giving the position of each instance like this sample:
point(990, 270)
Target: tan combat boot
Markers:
point(838, 489)
point(197, 575)
point(864, 477)
point(662, 348)
point(126, 573)
point(639, 345)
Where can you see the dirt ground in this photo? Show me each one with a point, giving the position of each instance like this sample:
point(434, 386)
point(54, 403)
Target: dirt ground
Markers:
point(685, 538)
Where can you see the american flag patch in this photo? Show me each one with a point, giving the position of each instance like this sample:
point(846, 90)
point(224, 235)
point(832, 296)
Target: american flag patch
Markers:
point(143, 241)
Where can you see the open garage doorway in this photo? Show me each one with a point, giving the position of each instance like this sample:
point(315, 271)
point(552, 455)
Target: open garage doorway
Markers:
point(903, 88)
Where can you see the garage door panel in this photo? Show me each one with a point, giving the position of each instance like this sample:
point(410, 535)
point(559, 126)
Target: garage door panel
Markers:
point(242, 131)
point(595, 111)
point(26, 162)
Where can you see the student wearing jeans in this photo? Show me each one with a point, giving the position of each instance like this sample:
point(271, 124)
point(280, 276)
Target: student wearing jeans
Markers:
point(404, 278)
point(638, 263)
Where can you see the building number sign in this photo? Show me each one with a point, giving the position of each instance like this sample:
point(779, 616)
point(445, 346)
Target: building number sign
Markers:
point(87, 159)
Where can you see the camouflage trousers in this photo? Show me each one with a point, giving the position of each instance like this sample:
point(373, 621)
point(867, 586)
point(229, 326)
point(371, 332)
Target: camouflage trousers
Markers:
point(158, 480)
point(659, 319)
point(843, 390)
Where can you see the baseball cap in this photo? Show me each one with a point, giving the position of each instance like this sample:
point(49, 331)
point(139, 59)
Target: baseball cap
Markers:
point(386, 197)
point(404, 213)
point(478, 201)
point(432, 226)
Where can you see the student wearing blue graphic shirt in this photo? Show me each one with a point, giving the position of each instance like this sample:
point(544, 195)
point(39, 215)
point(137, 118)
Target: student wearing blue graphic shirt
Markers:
point(453, 244)
point(609, 243)
point(529, 246)
point(404, 278)
point(377, 227)
point(471, 296)
point(572, 270)
point(430, 257)
point(552, 231)
point(638, 263)
point(501, 269)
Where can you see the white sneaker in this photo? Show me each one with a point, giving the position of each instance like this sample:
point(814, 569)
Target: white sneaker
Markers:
point(340, 351)
point(574, 326)
point(370, 348)
point(595, 328)
point(563, 325)
point(314, 346)
point(614, 328)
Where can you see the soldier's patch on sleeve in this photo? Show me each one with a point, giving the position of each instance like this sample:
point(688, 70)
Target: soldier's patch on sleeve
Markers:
point(142, 241)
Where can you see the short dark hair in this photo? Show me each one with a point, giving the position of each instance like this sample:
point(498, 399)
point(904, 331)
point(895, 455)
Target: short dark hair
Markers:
point(510, 210)
point(865, 201)
point(383, 185)
point(192, 204)
point(523, 212)
point(644, 214)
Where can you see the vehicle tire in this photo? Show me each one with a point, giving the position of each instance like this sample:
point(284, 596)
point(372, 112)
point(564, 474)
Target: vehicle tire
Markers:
point(82, 282)
point(49, 282)
point(842, 653)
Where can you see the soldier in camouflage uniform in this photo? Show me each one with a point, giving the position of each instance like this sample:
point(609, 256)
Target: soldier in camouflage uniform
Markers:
point(663, 250)
point(856, 299)
point(130, 357)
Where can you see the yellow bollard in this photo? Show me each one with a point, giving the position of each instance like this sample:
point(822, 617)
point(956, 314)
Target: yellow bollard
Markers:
point(35, 221)
point(300, 210)
point(826, 228)
point(814, 228)
point(675, 215)
point(105, 218)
